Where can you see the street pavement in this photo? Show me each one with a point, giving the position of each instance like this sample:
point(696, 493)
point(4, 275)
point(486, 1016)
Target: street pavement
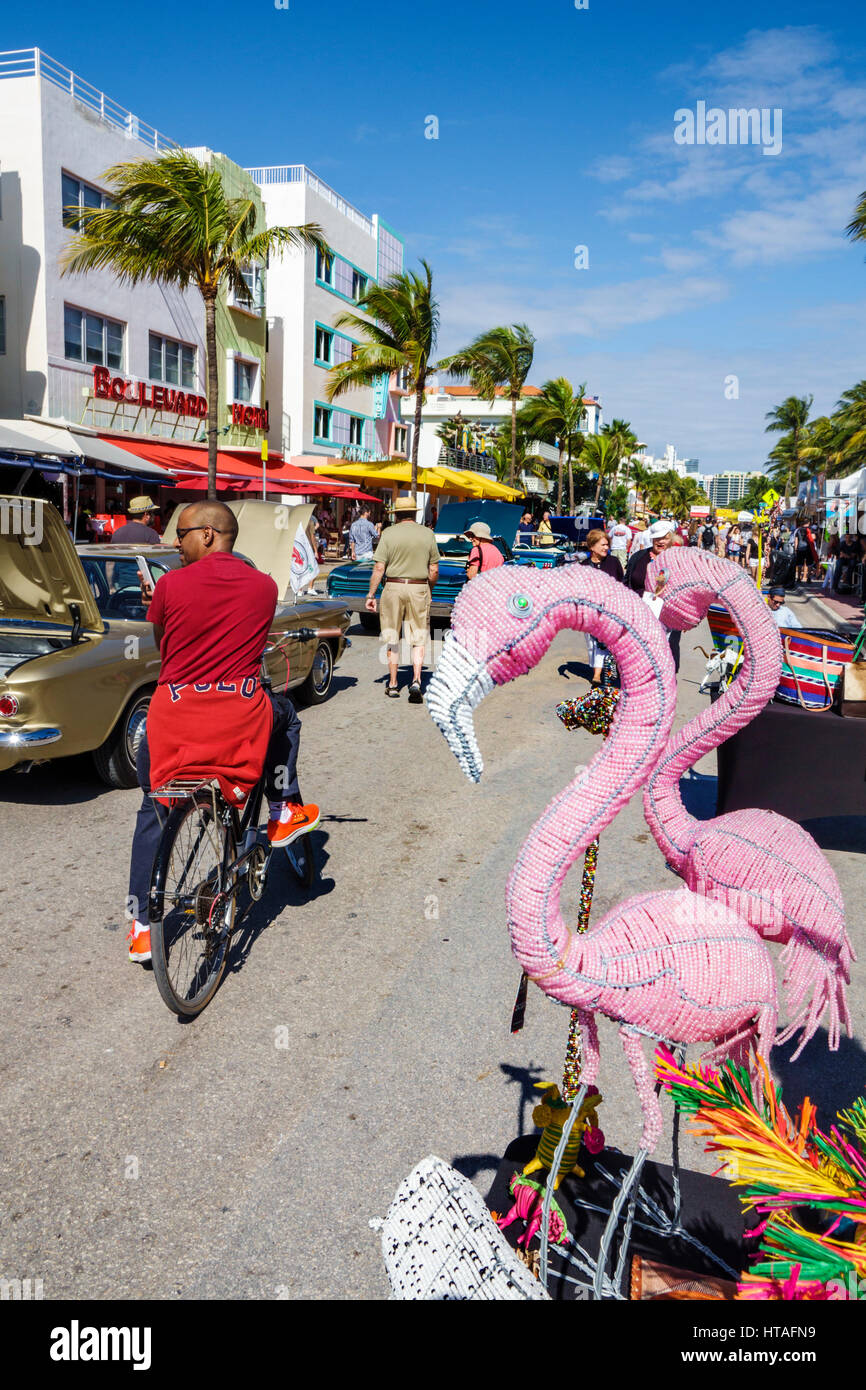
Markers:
point(243, 1154)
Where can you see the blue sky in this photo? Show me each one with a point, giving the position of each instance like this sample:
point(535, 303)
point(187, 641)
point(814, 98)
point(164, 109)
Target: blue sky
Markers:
point(556, 130)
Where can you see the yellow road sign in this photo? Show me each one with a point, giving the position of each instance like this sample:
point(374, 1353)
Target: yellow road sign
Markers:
point(770, 497)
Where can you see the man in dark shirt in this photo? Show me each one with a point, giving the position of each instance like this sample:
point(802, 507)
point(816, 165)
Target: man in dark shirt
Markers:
point(138, 531)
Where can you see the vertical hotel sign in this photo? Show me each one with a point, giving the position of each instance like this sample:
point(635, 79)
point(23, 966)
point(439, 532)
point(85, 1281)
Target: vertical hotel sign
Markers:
point(380, 396)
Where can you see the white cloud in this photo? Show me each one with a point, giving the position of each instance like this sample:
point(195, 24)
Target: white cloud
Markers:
point(788, 230)
point(591, 312)
point(611, 169)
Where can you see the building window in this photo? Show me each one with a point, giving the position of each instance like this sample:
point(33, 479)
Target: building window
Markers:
point(322, 423)
point(324, 344)
point(340, 275)
point(170, 361)
point(2, 325)
point(356, 430)
point(77, 194)
point(325, 267)
point(401, 439)
point(92, 338)
point(245, 380)
point(253, 278)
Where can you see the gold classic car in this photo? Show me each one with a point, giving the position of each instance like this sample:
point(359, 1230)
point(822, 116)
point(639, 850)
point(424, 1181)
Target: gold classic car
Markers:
point(78, 662)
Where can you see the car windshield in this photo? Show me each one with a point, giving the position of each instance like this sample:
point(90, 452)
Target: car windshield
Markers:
point(116, 586)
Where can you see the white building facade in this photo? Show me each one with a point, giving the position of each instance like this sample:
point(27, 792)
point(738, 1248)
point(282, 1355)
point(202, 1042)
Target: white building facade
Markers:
point(307, 293)
point(481, 417)
point(57, 137)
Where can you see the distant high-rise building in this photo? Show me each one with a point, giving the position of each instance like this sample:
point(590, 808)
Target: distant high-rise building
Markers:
point(727, 488)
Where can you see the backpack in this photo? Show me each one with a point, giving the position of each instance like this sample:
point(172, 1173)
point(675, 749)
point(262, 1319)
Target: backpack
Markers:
point(708, 538)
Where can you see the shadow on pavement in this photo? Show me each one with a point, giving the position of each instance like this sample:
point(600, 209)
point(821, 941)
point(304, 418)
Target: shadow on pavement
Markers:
point(63, 782)
point(282, 891)
point(831, 1080)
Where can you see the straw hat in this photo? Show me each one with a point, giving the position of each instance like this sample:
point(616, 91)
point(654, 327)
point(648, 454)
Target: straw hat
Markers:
point(141, 504)
point(405, 504)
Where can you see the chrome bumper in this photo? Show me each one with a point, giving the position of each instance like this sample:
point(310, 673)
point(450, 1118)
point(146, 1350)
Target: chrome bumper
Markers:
point(28, 738)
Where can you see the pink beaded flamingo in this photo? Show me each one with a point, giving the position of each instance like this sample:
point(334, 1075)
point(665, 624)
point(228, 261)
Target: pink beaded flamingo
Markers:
point(764, 865)
point(669, 965)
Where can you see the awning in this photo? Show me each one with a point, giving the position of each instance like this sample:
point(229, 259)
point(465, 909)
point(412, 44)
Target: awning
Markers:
point(441, 478)
point(67, 439)
point(252, 487)
point(188, 462)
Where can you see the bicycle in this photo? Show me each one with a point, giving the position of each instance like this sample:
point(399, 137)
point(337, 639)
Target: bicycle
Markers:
point(208, 852)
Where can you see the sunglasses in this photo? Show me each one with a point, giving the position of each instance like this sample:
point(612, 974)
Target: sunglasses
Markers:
point(185, 530)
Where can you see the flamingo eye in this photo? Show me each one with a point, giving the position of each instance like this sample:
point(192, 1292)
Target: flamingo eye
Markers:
point(520, 605)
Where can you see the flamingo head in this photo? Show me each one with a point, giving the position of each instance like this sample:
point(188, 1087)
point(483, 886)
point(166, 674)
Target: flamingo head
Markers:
point(501, 626)
point(694, 581)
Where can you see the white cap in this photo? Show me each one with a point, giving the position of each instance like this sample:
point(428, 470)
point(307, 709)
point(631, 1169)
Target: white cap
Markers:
point(661, 528)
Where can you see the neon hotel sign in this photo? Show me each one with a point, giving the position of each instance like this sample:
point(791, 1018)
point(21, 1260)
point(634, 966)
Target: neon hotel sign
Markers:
point(116, 388)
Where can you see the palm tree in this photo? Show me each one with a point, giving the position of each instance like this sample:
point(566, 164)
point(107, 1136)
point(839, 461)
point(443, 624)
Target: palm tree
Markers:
point(501, 357)
point(600, 455)
point(507, 450)
point(856, 228)
point(641, 478)
point(172, 223)
point(402, 335)
point(625, 439)
point(790, 418)
point(848, 445)
point(554, 417)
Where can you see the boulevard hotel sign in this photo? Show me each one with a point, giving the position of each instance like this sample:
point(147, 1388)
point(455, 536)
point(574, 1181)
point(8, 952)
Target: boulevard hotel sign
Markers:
point(116, 388)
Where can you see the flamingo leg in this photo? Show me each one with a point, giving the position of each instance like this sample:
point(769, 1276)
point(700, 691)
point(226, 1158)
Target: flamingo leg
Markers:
point(652, 1127)
point(548, 1189)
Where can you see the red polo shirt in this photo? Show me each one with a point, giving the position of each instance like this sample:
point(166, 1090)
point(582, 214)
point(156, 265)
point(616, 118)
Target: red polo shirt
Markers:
point(216, 615)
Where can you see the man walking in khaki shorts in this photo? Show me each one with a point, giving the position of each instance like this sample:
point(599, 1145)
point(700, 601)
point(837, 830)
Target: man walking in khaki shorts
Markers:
point(408, 558)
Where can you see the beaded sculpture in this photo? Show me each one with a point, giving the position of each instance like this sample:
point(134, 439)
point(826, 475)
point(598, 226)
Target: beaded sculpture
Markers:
point(672, 965)
point(550, 1116)
point(768, 867)
point(527, 1208)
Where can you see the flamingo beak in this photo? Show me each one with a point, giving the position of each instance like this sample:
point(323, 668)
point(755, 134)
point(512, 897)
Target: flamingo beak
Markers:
point(458, 686)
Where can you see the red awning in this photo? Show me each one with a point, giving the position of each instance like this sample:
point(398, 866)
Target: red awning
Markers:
point(189, 461)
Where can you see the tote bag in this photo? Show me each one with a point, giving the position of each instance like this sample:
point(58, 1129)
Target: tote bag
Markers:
point(812, 665)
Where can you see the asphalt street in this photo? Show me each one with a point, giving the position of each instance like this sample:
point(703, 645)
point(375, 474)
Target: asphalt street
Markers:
point(243, 1154)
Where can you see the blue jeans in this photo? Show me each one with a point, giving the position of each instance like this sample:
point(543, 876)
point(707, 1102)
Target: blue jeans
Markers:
point(281, 784)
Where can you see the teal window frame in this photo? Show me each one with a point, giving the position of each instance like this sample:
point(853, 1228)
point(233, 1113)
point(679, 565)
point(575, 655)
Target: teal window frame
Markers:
point(324, 285)
point(335, 333)
point(338, 410)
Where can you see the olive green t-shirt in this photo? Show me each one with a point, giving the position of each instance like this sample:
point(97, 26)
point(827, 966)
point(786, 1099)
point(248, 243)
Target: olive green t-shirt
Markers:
point(406, 550)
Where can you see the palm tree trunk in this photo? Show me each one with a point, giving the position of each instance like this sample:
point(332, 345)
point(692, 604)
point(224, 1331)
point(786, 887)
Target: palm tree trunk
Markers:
point(512, 472)
point(559, 479)
point(212, 394)
point(570, 485)
point(598, 488)
point(416, 433)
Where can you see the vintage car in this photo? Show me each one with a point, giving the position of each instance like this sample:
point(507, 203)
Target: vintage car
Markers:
point(78, 662)
point(350, 583)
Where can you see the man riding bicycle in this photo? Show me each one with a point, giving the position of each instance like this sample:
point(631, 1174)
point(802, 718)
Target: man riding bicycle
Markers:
point(210, 716)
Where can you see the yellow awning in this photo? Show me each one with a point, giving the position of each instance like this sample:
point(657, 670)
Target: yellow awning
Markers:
point(442, 478)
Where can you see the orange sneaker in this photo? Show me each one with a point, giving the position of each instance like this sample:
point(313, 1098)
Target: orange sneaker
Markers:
point(300, 820)
point(139, 943)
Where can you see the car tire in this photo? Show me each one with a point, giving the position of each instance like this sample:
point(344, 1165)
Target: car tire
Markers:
point(369, 621)
point(115, 758)
point(317, 686)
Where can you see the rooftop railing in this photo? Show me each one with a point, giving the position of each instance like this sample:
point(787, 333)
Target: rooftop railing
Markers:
point(299, 173)
point(32, 62)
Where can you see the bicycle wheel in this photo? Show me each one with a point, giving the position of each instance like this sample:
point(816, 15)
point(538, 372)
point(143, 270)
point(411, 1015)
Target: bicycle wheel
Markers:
point(192, 905)
point(302, 860)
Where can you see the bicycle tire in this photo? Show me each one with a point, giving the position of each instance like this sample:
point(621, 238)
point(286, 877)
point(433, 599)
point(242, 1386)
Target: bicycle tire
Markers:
point(301, 858)
point(191, 911)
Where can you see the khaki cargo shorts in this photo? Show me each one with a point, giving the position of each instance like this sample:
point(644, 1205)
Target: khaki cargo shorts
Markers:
point(409, 603)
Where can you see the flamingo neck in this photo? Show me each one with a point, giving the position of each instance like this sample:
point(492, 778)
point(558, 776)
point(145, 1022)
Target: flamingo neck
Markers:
point(673, 828)
point(540, 939)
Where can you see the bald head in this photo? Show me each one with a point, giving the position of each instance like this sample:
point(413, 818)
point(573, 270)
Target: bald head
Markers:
point(205, 527)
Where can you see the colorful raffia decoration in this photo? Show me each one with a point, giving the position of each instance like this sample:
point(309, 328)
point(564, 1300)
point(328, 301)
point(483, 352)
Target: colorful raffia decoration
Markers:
point(593, 712)
point(808, 1188)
